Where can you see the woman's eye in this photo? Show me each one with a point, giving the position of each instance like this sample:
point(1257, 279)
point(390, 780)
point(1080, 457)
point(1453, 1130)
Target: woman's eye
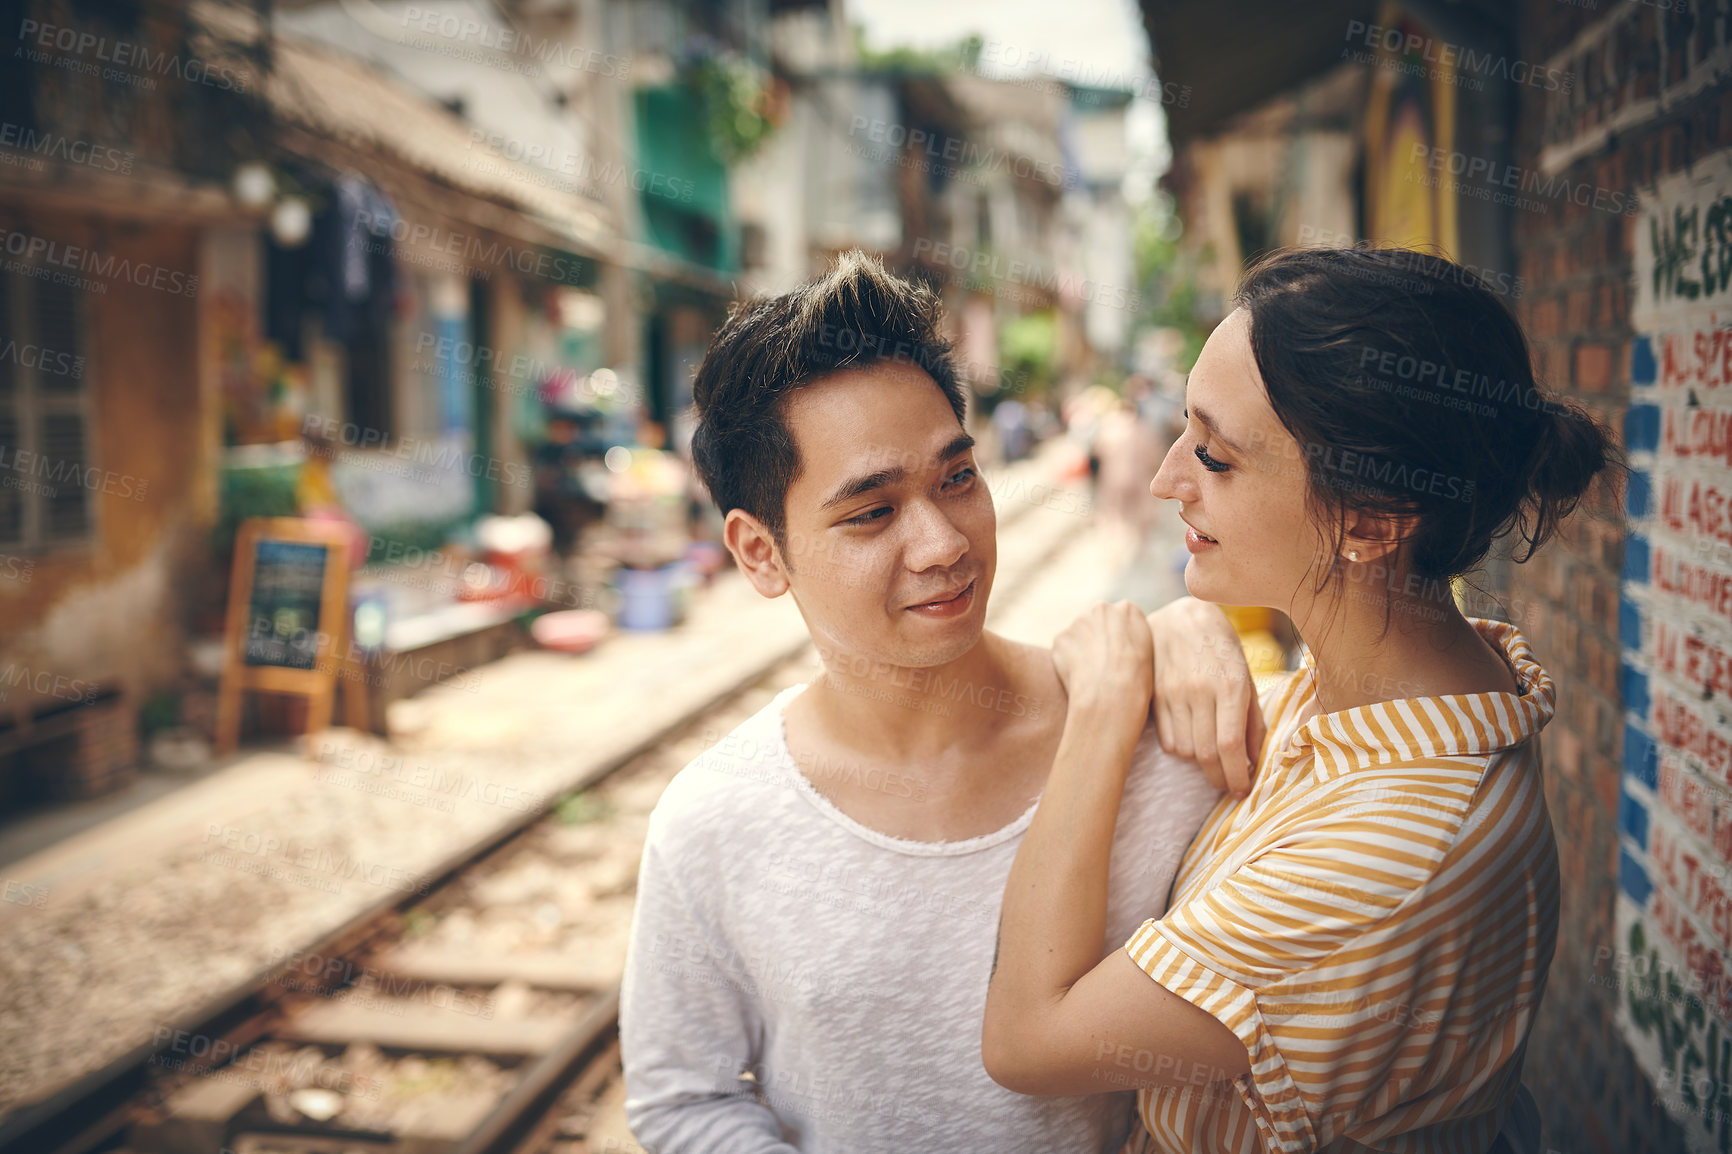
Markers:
point(868, 515)
point(1209, 462)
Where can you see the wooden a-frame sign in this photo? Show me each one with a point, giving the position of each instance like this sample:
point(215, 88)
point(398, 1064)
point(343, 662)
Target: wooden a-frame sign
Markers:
point(288, 622)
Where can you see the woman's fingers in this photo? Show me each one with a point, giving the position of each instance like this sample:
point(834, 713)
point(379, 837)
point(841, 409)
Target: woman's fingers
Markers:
point(1176, 738)
point(1220, 727)
point(1192, 731)
point(1203, 690)
point(1204, 740)
point(1230, 740)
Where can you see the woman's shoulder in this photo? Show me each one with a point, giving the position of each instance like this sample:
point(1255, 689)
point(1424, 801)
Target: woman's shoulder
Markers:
point(1421, 819)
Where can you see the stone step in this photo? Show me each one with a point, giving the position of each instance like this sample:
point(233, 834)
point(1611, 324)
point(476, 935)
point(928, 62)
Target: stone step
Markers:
point(595, 970)
point(277, 1143)
point(401, 1024)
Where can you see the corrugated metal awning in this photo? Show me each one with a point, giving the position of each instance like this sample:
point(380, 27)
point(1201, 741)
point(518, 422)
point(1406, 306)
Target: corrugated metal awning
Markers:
point(332, 95)
point(1234, 56)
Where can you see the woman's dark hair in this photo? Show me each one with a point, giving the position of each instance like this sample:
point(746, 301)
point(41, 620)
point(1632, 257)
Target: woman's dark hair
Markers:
point(1410, 391)
point(855, 315)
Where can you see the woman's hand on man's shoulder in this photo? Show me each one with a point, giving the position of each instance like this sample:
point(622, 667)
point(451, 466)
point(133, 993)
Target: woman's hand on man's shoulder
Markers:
point(1205, 702)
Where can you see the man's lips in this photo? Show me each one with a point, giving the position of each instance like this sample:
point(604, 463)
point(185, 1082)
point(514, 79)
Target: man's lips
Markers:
point(947, 598)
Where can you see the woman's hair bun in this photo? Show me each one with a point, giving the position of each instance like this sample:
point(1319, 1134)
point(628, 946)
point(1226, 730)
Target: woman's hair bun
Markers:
point(1571, 450)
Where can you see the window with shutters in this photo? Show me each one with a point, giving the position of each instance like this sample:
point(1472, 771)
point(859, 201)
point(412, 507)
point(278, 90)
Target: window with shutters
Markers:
point(44, 432)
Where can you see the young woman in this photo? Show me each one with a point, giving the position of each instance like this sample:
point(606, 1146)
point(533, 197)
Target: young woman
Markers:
point(1356, 947)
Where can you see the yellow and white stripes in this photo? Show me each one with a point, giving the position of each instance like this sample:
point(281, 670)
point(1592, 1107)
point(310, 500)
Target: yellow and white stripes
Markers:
point(1375, 922)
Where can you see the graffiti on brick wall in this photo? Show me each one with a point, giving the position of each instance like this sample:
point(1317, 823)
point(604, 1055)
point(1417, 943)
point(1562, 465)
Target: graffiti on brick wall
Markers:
point(1674, 909)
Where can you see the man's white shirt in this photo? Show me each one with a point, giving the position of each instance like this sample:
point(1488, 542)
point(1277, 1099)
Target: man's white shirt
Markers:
point(799, 982)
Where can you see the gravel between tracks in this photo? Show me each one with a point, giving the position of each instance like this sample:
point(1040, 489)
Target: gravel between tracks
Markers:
point(138, 945)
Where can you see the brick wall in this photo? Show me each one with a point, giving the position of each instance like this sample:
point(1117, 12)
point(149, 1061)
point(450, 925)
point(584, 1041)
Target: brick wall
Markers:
point(1578, 265)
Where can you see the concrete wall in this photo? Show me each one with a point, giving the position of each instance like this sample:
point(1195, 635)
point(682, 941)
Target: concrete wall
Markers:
point(114, 609)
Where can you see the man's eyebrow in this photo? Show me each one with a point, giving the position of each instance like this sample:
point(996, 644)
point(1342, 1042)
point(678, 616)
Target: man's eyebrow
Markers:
point(1208, 423)
point(859, 486)
point(960, 444)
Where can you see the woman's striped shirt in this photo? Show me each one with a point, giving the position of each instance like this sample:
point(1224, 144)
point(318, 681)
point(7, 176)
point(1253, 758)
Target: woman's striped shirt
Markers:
point(1375, 922)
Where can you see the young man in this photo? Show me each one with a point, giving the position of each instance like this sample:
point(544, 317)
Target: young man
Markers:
point(819, 892)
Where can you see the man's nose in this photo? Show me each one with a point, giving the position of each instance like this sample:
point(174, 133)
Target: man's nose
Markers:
point(935, 540)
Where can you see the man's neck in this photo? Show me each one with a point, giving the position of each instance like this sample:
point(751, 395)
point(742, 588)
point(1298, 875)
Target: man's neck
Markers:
point(924, 714)
point(969, 742)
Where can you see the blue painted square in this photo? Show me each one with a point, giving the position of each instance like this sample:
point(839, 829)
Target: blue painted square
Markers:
point(1629, 624)
point(1642, 367)
point(1640, 761)
point(1635, 691)
point(1642, 427)
point(1638, 494)
point(1636, 559)
point(1633, 819)
point(1633, 879)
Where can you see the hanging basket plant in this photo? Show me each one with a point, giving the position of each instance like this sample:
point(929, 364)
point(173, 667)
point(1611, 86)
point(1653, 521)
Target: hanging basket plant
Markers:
point(740, 104)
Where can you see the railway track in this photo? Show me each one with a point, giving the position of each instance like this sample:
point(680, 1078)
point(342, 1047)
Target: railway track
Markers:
point(479, 1019)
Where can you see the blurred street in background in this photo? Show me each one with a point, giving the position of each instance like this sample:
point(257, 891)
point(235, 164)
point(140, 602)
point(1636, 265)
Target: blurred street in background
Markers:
point(355, 547)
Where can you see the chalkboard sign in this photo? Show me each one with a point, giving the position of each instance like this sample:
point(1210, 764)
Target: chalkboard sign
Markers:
point(283, 612)
point(288, 629)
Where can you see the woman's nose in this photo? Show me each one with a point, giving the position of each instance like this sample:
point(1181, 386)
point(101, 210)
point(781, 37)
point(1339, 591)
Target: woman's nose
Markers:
point(1170, 482)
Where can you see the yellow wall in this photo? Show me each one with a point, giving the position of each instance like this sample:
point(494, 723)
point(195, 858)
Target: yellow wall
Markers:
point(112, 609)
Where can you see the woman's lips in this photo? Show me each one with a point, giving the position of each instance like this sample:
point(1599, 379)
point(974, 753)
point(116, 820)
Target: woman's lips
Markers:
point(1197, 543)
point(950, 607)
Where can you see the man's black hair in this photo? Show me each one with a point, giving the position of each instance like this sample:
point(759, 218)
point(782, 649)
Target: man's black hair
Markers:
point(854, 316)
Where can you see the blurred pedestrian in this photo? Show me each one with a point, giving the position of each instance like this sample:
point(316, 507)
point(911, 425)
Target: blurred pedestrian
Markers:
point(1010, 422)
point(1129, 452)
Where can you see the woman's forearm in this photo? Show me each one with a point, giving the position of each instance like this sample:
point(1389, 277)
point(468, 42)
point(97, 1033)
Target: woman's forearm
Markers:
point(1053, 919)
point(1054, 1007)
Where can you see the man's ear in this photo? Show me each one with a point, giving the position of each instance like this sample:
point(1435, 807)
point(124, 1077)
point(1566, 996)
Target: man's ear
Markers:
point(754, 550)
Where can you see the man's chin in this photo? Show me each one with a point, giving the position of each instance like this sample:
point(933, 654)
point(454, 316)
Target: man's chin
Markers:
point(936, 643)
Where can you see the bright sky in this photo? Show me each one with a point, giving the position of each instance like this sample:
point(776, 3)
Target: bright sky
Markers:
point(1083, 41)
point(1075, 39)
